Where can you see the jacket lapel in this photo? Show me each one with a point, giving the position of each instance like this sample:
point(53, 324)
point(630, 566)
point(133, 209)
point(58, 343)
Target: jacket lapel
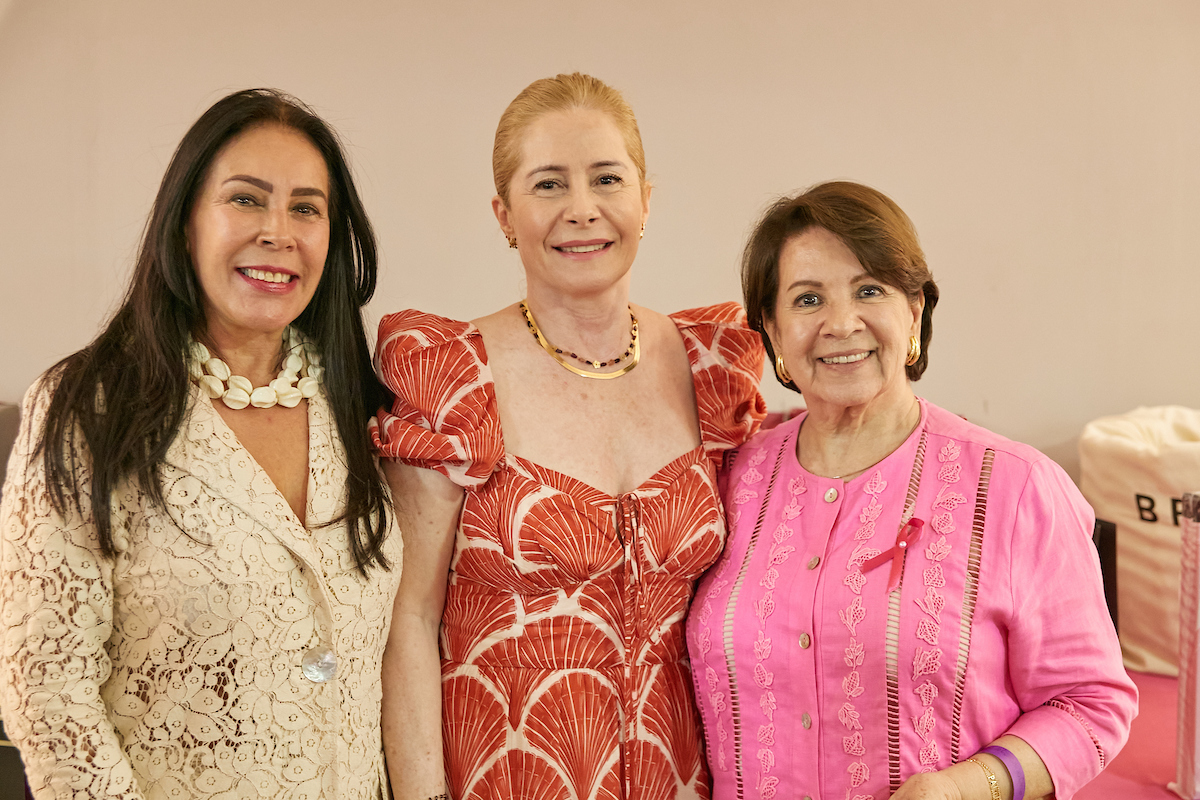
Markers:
point(208, 450)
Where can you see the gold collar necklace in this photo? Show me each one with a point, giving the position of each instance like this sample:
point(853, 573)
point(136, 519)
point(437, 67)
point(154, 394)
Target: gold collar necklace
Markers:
point(631, 356)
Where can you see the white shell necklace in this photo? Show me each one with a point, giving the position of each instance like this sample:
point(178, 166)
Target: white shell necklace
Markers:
point(299, 379)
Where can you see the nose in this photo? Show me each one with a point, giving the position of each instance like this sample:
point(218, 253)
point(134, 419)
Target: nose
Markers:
point(581, 206)
point(276, 229)
point(841, 319)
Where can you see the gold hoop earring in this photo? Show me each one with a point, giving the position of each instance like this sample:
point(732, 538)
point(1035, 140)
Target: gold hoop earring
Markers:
point(781, 370)
point(512, 242)
point(914, 351)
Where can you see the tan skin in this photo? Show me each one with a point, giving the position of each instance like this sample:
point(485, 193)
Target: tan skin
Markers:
point(261, 211)
point(844, 336)
point(610, 434)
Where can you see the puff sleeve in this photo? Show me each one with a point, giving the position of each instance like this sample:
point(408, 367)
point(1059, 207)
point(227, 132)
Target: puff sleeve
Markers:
point(727, 362)
point(443, 414)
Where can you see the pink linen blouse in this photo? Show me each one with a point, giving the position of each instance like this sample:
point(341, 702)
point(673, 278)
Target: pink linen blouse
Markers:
point(816, 681)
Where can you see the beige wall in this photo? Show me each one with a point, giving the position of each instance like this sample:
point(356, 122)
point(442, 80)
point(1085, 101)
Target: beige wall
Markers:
point(1048, 153)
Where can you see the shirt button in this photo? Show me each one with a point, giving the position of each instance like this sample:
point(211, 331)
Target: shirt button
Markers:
point(805, 640)
point(813, 562)
point(319, 665)
point(831, 495)
point(806, 721)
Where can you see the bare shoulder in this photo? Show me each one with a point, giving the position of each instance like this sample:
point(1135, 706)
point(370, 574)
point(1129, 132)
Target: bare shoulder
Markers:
point(500, 325)
point(661, 341)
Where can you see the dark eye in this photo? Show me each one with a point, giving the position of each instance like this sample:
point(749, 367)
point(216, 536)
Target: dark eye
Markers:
point(243, 200)
point(546, 185)
point(307, 210)
point(871, 291)
point(610, 180)
point(808, 300)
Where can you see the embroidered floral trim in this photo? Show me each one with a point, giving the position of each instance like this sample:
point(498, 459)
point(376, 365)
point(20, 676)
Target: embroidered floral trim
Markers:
point(928, 660)
point(712, 682)
point(851, 617)
point(762, 609)
point(970, 597)
point(767, 784)
point(892, 634)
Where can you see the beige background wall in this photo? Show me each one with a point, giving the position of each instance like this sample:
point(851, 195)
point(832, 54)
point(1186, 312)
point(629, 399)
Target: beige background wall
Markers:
point(1048, 153)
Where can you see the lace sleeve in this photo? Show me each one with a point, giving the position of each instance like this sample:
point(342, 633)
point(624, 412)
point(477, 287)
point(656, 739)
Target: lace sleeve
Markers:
point(56, 618)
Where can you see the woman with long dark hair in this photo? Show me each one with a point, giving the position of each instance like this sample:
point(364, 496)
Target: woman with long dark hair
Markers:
point(197, 566)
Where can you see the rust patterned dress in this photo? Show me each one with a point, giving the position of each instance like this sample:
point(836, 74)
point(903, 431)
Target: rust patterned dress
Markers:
point(564, 667)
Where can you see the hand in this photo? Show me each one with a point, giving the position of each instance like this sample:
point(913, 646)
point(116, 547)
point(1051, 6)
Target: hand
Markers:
point(929, 786)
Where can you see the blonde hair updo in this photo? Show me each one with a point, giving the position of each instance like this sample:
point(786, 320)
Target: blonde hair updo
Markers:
point(561, 93)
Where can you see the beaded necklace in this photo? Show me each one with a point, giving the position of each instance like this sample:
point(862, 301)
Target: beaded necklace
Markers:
point(631, 356)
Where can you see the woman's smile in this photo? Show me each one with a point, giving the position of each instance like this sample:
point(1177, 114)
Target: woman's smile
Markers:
point(847, 359)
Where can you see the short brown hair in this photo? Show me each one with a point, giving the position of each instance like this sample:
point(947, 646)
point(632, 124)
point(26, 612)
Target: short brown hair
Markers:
point(876, 230)
point(560, 93)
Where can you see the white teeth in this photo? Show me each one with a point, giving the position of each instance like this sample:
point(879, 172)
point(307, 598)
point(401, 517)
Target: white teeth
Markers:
point(585, 248)
point(269, 277)
point(846, 359)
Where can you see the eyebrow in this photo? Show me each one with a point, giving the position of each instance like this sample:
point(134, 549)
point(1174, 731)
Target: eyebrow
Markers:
point(269, 187)
point(861, 277)
point(557, 168)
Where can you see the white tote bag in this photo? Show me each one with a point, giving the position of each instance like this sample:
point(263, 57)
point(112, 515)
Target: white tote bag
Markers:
point(1187, 749)
point(1134, 470)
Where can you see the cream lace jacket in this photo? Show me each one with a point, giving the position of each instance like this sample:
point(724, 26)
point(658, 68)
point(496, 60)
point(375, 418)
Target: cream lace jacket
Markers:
point(177, 669)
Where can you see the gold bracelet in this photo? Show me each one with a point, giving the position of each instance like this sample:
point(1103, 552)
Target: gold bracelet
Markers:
point(993, 782)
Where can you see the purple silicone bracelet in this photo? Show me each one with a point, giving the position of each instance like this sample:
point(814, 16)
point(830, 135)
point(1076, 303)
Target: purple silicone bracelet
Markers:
point(1013, 766)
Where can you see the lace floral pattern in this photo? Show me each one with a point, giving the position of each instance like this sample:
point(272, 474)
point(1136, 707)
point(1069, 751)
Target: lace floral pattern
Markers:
point(175, 670)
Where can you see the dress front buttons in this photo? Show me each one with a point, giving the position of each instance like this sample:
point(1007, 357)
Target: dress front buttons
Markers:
point(806, 721)
point(805, 640)
point(830, 495)
point(813, 562)
point(319, 664)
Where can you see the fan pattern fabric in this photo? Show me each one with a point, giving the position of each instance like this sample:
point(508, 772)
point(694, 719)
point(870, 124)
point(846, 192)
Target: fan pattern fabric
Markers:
point(564, 667)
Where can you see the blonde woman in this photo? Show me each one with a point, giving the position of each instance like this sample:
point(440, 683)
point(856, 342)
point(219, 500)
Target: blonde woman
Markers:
point(556, 461)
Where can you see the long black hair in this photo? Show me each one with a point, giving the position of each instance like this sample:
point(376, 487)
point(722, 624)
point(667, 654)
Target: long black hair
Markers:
point(126, 392)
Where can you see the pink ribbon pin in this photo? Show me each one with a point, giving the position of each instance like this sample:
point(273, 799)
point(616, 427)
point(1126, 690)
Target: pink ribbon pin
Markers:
point(909, 533)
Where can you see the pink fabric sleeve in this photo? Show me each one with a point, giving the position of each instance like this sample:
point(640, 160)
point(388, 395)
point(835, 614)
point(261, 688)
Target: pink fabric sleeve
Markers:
point(727, 362)
point(443, 414)
point(1064, 658)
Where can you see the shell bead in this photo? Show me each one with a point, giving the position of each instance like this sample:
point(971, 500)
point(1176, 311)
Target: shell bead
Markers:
point(236, 399)
point(212, 386)
point(309, 386)
point(290, 398)
point(218, 369)
point(263, 397)
point(240, 382)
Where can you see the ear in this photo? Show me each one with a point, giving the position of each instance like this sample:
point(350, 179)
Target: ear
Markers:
point(918, 308)
point(501, 212)
point(646, 203)
point(772, 331)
